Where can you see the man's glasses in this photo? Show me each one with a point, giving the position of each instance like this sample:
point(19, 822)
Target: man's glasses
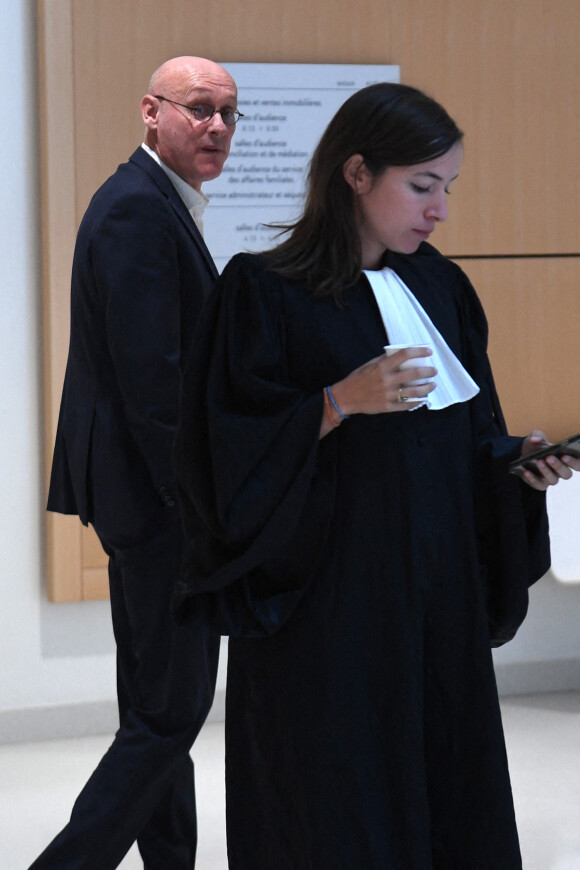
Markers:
point(204, 112)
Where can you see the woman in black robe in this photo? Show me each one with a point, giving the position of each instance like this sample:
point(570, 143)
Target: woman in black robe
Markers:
point(363, 551)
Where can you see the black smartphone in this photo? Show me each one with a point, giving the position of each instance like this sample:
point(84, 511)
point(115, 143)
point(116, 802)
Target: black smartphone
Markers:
point(569, 447)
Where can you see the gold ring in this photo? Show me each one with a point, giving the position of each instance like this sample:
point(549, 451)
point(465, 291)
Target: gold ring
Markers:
point(402, 398)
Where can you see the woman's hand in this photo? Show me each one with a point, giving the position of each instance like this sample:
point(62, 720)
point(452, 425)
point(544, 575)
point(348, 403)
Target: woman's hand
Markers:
point(551, 469)
point(379, 387)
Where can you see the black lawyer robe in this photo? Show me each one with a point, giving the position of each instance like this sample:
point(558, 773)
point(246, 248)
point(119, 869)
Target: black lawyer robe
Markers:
point(362, 578)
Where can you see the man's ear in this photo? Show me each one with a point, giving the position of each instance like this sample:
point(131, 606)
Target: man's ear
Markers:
point(356, 174)
point(149, 111)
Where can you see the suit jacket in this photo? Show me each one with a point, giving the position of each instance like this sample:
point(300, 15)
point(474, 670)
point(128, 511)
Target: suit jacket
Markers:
point(141, 271)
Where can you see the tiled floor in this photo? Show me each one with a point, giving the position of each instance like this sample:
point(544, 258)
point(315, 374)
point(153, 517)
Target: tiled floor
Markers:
point(39, 781)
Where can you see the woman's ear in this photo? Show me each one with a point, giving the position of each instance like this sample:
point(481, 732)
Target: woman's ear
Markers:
point(356, 174)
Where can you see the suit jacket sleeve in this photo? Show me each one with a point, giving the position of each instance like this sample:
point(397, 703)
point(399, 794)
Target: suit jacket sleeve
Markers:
point(136, 266)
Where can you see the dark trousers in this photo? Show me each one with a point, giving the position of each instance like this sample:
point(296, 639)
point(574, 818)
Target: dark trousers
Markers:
point(143, 787)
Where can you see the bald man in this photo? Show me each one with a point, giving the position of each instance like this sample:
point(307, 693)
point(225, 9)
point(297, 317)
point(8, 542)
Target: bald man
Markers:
point(141, 271)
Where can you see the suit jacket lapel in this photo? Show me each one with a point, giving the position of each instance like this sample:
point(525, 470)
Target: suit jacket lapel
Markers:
point(158, 176)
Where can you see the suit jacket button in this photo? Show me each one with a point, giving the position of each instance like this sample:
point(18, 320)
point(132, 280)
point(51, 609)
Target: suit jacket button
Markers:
point(165, 496)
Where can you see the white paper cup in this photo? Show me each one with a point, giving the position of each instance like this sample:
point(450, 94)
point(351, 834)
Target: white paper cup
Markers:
point(412, 363)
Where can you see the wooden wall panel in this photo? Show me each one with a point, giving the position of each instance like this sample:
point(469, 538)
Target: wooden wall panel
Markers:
point(59, 223)
point(511, 78)
point(509, 73)
point(533, 310)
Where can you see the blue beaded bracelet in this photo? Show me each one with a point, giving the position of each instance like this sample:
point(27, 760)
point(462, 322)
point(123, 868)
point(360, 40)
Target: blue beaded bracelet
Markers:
point(336, 408)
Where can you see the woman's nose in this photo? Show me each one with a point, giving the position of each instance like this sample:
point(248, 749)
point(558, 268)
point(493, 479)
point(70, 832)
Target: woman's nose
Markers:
point(437, 209)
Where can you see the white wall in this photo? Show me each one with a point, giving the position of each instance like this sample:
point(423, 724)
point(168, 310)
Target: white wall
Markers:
point(48, 655)
point(545, 654)
point(57, 661)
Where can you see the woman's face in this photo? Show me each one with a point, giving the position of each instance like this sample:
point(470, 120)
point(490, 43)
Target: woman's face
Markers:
point(399, 209)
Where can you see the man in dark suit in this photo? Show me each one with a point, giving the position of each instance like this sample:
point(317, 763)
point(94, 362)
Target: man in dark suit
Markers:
point(140, 273)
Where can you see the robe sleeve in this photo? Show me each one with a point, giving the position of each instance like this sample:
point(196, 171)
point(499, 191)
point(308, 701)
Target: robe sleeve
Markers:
point(256, 485)
point(512, 520)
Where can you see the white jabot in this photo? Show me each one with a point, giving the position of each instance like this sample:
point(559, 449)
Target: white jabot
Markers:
point(407, 322)
point(195, 201)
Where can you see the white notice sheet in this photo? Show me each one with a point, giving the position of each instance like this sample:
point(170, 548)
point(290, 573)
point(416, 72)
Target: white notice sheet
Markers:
point(286, 109)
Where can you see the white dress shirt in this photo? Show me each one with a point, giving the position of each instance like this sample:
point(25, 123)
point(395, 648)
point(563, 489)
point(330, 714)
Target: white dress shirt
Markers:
point(195, 201)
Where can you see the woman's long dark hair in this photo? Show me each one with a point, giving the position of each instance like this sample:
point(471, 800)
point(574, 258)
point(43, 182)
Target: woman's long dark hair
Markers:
point(389, 125)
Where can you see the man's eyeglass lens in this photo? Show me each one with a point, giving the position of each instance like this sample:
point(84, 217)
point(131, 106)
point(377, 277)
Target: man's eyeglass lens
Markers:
point(204, 112)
